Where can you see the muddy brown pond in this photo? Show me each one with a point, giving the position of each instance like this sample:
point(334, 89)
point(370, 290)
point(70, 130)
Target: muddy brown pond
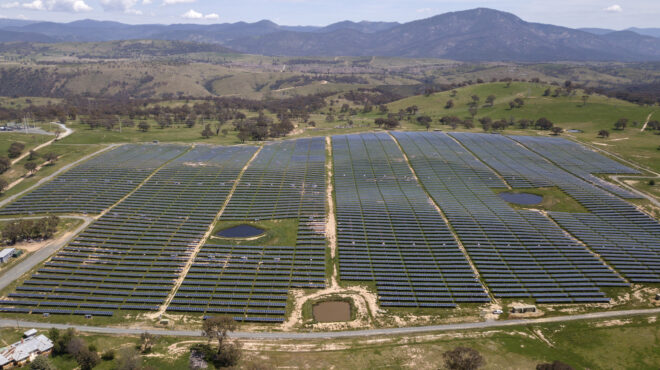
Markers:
point(332, 311)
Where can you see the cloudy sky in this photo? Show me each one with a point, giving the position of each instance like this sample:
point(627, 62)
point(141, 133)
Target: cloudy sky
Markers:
point(617, 14)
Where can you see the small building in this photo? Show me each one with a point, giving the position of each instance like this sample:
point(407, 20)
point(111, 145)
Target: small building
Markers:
point(523, 309)
point(6, 254)
point(20, 353)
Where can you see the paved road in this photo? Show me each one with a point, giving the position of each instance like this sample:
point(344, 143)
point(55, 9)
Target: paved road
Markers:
point(337, 334)
point(42, 254)
point(67, 132)
point(651, 199)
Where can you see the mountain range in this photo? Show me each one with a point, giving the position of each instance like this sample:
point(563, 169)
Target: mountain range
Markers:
point(472, 35)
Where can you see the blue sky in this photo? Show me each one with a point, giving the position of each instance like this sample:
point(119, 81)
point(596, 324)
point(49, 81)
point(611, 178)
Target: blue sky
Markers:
point(617, 14)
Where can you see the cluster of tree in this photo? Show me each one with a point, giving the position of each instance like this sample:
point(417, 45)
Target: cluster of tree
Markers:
point(516, 103)
point(389, 123)
point(69, 343)
point(375, 97)
point(228, 353)
point(463, 358)
point(18, 230)
point(640, 93)
point(15, 149)
point(259, 128)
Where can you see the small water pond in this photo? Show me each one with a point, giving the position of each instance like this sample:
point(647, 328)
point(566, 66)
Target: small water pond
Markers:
point(525, 199)
point(332, 311)
point(240, 231)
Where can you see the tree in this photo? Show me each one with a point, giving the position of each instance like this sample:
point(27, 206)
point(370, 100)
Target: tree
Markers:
point(486, 123)
point(31, 167)
point(584, 99)
point(207, 132)
point(450, 104)
point(556, 365)
point(32, 155)
point(543, 124)
point(621, 124)
point(41, 363)
point(463, 358)
point(243, 135)
point(144, 126)
point(490, 100)
point(51, 157)
point(146, 342)
point(556, 130)
point(524, 123)
point(128, 359)
point(473, 111)
point(3, 185)
point(15, 149)
point(87, 359)
point(5, 164)
point(425, 121)
point(603, 134)
point(216, 328)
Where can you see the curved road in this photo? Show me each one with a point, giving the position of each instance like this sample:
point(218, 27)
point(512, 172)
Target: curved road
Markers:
point(42, 254)
point(67, 132)
point(337, 334)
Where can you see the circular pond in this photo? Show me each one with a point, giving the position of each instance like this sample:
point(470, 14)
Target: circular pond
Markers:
point(332, 311)
point(526, 199)
point(240, 231)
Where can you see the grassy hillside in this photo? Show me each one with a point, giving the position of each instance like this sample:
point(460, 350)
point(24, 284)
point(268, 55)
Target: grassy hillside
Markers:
point(568, 112)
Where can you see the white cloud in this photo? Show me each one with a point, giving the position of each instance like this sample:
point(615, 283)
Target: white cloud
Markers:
point(174, 2)
point(76, 6)
point(192, 14)
point(614, 9)
point(11, 5)
point(119, 5)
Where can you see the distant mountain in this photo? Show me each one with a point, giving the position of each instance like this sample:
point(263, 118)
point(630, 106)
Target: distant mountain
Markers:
point(471, 35)
point(10, 36)
point(655, 32)
point(634, 42)
point(364, 26)
point(597, 31)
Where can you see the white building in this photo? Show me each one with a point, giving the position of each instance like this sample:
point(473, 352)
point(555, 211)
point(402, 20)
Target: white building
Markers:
point(20, 353)
point(6, 254)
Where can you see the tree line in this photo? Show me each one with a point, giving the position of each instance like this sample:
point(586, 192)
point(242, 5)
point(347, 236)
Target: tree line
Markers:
point(15, 231)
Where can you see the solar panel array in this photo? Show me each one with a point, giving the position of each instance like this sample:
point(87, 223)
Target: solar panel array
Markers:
point(98, 183)
point(130, 258)
point(519, 254)
point(630, 238)
point(579, 161)
point(286, 180)
point(389, 232)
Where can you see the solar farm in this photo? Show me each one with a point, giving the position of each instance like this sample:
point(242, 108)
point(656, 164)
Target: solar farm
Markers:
point(416, 217)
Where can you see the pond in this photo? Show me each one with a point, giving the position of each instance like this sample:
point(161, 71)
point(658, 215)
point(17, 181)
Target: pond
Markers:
point(332, 311)
point(526, 199)
point(240, 231)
